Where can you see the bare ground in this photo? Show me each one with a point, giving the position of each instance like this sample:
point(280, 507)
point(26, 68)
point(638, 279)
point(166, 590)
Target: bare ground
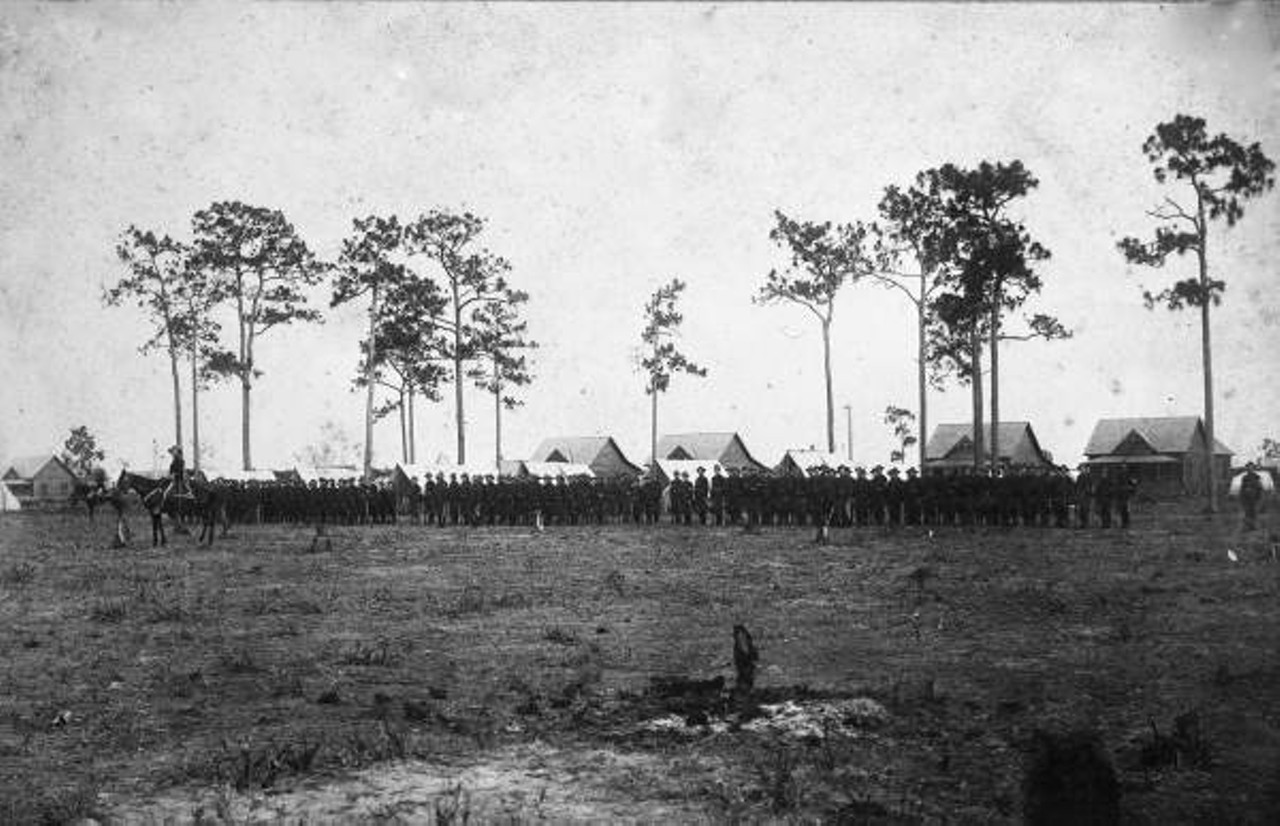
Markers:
point(417, 674)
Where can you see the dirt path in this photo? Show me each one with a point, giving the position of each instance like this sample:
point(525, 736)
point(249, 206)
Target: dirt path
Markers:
point(527, 782)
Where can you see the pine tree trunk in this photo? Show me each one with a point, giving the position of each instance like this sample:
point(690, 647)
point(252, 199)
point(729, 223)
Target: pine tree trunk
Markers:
point(195, 409)
point(497, 421)
point(404, 427)
point(1206, 354)
point(653, 430)
point(413, 439)
point(921, 379)
point(177, 394)
point(995, 383)
point(246, 376)
point(975, 379)
point(457, 379)
point(370, 357)
point(826, 371)
point(245, 457)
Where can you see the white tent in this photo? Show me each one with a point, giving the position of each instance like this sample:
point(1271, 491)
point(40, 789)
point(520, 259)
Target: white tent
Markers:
point(334, 472)
point(567, 469)
point(803, 462)
point(240, 475)
point(8, 502)
point(417, 472)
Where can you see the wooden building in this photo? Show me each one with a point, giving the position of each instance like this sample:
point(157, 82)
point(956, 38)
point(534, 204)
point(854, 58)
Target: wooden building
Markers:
point(1166, 454)
point(39, 480)
point(950, 447)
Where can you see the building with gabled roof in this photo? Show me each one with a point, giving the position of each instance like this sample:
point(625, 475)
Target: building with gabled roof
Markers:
point(1166, 454)
point(950, 446)
point(725, 448)
point(600, 453)
point(39, 479)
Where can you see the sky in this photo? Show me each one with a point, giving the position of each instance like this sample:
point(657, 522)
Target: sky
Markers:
point(611, 148)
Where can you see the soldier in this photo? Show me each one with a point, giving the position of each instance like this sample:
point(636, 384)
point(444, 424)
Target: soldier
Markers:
point(894, 497)
point(861, 497)
point(912, 498)
point(177, 471)
point(1084, 496)
point(1124, 488)
point(716, 497)
point(1103, 491)
point(701, 495)
point(1250, 495)
point(878, 494)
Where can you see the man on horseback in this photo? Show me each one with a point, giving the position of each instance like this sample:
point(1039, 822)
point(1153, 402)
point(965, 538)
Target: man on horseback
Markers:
point(177, 472)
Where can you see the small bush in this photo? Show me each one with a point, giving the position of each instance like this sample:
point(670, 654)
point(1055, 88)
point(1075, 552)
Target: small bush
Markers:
point(560, 636)
point(778, 778)
point(453, 807)
point(240, 661)
point(382, 653)
point(109, 610)
point(22, 573)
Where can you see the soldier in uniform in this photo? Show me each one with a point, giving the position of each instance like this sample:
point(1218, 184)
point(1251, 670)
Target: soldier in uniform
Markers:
point(1103, 491)
point(1122, 490)
point(716, 497)
point(1250, 495)
point(912, 498)
point(1084, 496)
point(701, 495)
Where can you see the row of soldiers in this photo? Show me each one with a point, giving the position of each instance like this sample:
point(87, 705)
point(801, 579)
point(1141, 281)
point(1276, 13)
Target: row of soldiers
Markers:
point(320, 501)
point(1030, 497)
point(838, 498)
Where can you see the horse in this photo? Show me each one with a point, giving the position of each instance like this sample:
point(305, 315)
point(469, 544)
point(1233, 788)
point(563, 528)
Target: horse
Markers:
point(95, 494)
point(210, 505)
point(156, 498)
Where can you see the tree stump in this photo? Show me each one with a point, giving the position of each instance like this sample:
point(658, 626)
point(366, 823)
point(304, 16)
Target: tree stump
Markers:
point(322, 533)
point(745, 657)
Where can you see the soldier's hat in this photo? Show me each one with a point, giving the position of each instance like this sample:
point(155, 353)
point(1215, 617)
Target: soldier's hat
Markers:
point(912, 471)
point(878, 469)
point(893, 471)
point(701, 470)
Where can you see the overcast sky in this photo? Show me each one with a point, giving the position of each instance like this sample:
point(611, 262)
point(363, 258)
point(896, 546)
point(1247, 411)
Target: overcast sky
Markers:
point(612, 148)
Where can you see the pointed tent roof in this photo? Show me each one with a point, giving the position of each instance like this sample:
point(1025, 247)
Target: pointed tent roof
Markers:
point(582, 450)
point(953, 441)
point(806, 460)
point(566, 469)
point(719, 447)
point(1165, 434)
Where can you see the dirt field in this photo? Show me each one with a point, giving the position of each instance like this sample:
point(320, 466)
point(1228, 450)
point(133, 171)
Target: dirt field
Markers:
point(413, 674)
